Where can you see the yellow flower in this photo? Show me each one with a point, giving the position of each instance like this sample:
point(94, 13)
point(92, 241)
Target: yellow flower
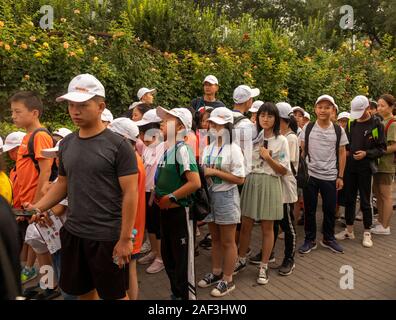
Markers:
point(63, 20)
point(26, 77)
point(95, 59)
point(24, 46)
point(46, 45)
point(76, 11)
point(1, 24)
point(80, 51)
point(65, 45)
point(7, 47)
point(33, 38)
point(31, 24)
point(91, 38)
point(284, 92)
point(38, 55)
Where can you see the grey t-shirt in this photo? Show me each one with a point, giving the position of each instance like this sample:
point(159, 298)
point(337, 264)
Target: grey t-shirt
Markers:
point(322, 151)
point(92, 167)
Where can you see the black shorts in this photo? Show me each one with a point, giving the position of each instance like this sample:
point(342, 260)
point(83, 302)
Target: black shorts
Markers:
point(88, 264)
point(153, 224)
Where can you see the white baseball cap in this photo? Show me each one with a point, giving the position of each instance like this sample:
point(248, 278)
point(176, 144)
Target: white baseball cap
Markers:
point(134, 105)
point(358, 105)
point(149, 117)
point(256, 106)
point(326, 97)
point(344, 115)
point(1, 144)
point(13, 140)
point(83, 88)
point(51, 153)
point(211, 79)
point(204, 108)
point(221, 116)
point(307, 115)
point(284, 109)
point(243, 93)
point(125, 127)
point(183, 114)
point(143, 91)
point(297, 108)
point(107, 116)
point(62, 132)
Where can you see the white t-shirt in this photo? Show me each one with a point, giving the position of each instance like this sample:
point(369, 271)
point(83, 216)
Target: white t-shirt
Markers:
point(289, 182)
point(280, 153)
point(245, 132)
point(151, 156)
point(322, 151)
point(228, 158)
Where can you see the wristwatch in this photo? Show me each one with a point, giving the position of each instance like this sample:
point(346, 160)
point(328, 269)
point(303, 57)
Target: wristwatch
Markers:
point(172, 198)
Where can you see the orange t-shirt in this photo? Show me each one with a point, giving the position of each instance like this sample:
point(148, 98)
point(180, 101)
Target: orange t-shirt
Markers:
point(15, 190)
point(27, 173)
point(140, 221)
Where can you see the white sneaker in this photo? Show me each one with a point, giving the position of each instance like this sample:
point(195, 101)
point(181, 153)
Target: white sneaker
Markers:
point(379, 229)
point(376, 222)
point(367, 242)
point(156, 266)
point(146, 247)
point(344, 234)
point(263, 276)
point(147, 259)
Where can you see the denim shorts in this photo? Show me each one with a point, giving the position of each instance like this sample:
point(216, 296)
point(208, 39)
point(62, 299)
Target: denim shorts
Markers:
point(225, 207)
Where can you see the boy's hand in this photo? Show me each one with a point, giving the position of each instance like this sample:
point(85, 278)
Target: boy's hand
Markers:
point(122, 252)
point(359, 155)
point(164, 203)
point(339, 184)
point(209, 172)
point(29, 207)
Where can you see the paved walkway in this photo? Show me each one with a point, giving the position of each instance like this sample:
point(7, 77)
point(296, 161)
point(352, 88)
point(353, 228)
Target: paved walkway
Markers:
point(317, 275)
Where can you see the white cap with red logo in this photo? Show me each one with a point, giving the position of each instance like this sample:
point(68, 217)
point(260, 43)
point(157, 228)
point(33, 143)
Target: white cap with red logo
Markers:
point(83, 88)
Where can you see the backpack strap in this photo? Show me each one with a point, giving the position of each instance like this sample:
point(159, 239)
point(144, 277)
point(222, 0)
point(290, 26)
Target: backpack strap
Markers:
point(338, 132)
point(31, 154)
point(308, 130)
point(239, 119)
point(392, 120)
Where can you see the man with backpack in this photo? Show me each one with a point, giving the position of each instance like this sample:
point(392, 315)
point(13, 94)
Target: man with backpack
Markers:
point(33, 171)
point(323, 144)
point(210, 88)
point(366, 145)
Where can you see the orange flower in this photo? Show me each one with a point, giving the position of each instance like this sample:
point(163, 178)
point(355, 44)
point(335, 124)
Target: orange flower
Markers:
point(76, 11)
point(33, 38)
point(26, 77)
point(24, 46)
point(65, 45)
point(72, 54)
point(7, 47)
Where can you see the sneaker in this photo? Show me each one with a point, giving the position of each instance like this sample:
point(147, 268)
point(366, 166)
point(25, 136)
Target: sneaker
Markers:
point(209, 280)
point(367, 242)
point(375, 223)
point(332, 245)
point(47, 294)
point(156, 266)
point(307, 247)
point(174, 298)
point(287, 267)
point(30, 292)
point(240, 265)
point(344, 234)
point(249, 252)
point(28, 274)
point(257, 258)
point(281, 236)
point(206, 242)
point(146, 247)
point(222, 288)
point(359, 216)
point(147, 259)
point(263, 276)
point(379, 229)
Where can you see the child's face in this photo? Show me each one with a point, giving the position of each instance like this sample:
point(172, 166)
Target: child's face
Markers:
point(136, 115)
point(299, 118)
point(266, 120)
point(86, 114)
point(253, 117)
point(324, 110)
point(205, 122)
point(21, 116)
point(170, 126)
point(383, 108)
point(148, 98)
point(343, 122)
point(13, 153)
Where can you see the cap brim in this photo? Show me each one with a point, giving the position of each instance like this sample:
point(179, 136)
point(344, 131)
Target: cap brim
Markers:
point(253, 110)
point(8, 147)
point(75, 97)
point(142, 123)
point(50, 153)
point(210, 81)
point(298, 109)
point(325, 99)
point(217, 120)
point(255, 92)
point(357, 114)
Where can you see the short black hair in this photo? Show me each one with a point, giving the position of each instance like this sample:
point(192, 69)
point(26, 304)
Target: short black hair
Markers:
point(149, 126)
point(271, 109)
point(30, 99)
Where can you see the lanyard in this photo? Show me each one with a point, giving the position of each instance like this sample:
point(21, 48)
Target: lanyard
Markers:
point(212, 165)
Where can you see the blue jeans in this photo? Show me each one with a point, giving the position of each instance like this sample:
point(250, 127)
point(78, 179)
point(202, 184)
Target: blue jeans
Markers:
point(328, 192)
point(56, 261)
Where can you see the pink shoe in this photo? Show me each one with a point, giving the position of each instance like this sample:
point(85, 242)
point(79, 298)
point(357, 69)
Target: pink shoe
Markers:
point(156, 266)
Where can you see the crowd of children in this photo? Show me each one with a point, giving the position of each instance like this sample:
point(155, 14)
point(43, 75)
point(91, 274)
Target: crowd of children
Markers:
point(117, 192)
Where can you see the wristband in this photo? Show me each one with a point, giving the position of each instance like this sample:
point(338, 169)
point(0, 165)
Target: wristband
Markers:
point(342, 178)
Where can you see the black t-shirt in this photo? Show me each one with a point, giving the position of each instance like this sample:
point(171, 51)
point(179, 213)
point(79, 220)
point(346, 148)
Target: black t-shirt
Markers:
point(10, 283)
point(92, 167)
point(200, 102)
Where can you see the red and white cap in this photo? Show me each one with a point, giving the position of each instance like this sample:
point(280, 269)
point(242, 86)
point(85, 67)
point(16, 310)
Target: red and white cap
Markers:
point(83, 88)
point(211, 79)
point(326, 97)
point(125, 127)
point(143, 91)
point(183, 114)
point(149, 117)
point(221, 116)
point(243, 93)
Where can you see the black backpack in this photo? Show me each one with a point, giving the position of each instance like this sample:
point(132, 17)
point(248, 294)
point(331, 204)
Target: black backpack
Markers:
point(200, 201)
point(303, 176)
point(239, 119)
point(32, 155)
